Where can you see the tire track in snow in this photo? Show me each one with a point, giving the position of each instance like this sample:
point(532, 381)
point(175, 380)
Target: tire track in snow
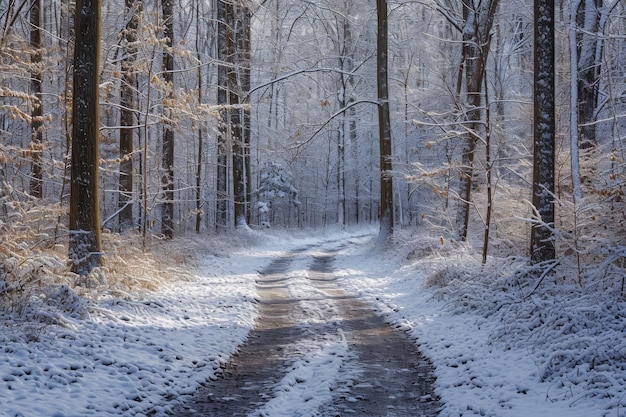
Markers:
point(392, 377)
point(317, 351)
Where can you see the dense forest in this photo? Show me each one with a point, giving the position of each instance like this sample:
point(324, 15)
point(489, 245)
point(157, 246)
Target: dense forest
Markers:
point(216, 115)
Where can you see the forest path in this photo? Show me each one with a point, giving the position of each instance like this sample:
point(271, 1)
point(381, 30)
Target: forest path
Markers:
point(317, 350)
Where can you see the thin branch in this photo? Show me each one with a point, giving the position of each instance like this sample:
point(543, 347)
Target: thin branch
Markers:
point(330, 119)
point(297, 72)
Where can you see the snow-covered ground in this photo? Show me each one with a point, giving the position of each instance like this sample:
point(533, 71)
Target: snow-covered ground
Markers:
point(557, 352)
point(497, 349)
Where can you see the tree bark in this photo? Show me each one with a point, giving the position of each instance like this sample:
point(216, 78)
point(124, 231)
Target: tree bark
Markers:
point(577, 192)
point(542, 233)
point(588, 19)
point(128, 105)
point(384, 126)
point(478, 20)
point(36, 180)
point(167, 165)
point(224, 10)
point(198, 189)
point(84, 239)
point(239, 85)
point(245, 85)
point(234, 132)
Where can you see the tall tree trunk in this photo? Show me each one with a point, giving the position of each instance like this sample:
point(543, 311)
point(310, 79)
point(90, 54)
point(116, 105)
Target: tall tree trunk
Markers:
point(239, 81)
point(384, 125)
point(588, 19)
point(489, 168)
point(199, 165)
point(200, 128)
point(36, 180)
point(224, 10)
point(167, 165)
point(128, 107)
point(345, 122)
point(234, 132)
point(542, 235)
point(478, 20)
point(357, 175)
point(84, 238)
point(246, 69)
point(577, 192)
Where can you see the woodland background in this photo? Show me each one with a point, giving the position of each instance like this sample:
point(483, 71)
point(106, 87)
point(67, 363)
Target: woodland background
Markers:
point(216, 115)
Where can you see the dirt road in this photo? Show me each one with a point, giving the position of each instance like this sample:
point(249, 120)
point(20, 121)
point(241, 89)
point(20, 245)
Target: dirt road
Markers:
point(317, 351)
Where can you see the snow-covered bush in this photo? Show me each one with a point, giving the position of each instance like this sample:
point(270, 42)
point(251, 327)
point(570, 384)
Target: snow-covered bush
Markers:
point(276, 193)
point(572, 330)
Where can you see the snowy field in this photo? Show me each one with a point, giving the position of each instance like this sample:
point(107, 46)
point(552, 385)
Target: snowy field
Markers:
point(498, 349)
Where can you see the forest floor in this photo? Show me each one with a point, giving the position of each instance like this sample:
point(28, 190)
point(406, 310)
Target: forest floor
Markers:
point(318, 350)
point(291, 323)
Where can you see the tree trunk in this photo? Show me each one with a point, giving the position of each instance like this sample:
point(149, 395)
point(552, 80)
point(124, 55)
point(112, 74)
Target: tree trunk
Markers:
point(384, 126)
point(224, 10)
point(239, 85)
point(542, 235)
point(489, 168)
point(200, 129)
point(36, 180)
point(167, 181)
point(246, 50)
point(577, 192)
point(128, 106)
point(199, 161)
point(478, 20)
point(357, 180)
point(84, 238)
point(588, 19)
point(234, 132)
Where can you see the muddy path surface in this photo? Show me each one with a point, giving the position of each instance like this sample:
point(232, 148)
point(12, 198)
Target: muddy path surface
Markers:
point(317, 350)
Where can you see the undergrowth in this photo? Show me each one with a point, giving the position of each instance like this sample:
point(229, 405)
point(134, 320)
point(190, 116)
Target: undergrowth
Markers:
point(37, 287)
point(575, 328)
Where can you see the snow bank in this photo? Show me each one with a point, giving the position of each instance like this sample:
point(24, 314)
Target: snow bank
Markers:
point(497, 350)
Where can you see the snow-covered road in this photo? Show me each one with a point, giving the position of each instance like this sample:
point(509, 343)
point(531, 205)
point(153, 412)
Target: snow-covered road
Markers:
point(318, 350)
point(494, 352)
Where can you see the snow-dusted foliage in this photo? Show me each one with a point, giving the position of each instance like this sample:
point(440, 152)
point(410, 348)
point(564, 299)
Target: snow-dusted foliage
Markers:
point(575, 335)
point(313, 114)
point(276, 192)
point(536, 344)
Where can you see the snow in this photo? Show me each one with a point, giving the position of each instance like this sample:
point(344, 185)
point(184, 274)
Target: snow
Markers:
point(308, 385)
point(498, 348)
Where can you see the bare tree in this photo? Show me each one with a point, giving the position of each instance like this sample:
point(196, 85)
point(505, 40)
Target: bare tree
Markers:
point(588, 47)
point(542, 233)
point(224, 14)
point(198, 190)
point(167, 164)
point(478, 19)
point(84, 240)
point(234, 132)
point(239, 80)
point(384, 124)
point(128, 107)
point(36, 183)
